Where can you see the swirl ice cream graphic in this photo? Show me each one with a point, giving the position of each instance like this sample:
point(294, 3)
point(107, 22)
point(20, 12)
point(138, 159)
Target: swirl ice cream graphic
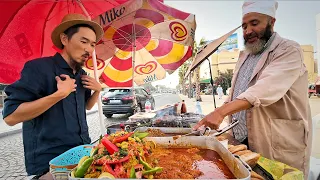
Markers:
point(143, 40)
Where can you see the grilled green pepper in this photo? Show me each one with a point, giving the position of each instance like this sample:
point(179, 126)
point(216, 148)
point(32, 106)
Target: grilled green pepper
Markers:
point(132, 173)
point(98, 168)
point(152, 171)
point(141, 135)
point(82, 169)
point(145, 164)
point(93, 152)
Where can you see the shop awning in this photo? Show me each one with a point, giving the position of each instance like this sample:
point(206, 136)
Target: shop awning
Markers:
point(206, 81)
point(207, 50)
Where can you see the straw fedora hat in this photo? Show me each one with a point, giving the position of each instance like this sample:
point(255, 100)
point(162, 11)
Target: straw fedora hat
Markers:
point(71, 20)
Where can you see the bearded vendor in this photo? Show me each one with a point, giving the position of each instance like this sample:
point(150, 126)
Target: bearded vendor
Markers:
point(269, 92)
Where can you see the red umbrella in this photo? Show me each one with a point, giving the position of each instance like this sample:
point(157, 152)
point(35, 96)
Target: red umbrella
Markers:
point(26, 26)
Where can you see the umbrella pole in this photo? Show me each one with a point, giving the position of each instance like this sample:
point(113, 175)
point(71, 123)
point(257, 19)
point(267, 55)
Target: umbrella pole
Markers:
point(94, 58)
point(133, 65)
point(101, 120)
point(211, 81)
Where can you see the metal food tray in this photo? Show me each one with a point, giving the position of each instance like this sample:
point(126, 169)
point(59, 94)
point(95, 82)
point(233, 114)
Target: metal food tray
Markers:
point(170, 130)
point(240, 169)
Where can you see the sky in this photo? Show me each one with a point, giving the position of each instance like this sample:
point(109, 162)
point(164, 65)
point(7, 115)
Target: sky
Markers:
point(295, 20)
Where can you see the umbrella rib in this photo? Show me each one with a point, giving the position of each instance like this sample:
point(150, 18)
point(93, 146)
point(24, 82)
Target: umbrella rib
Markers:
point(154, 38)
point(123, 44)
point(58, 12)
point(176, 42)
point(45, 24)
point(11, 18)
point(123, 37)
point(153, 25)
point(119, 48)
point(161, 12)
point(98, 7)
point(121, 31)
point(68, 6)
point(115, 44)
point(117, 4)
point(121, 19)
point(120, 38)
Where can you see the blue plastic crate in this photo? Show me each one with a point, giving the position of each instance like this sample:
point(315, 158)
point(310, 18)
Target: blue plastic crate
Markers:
point(65, 162)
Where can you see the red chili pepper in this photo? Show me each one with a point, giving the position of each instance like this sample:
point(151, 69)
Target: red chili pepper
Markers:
point(117, 168)
point(104, 160)
point(100, 161)
point(138, 166)
point(122, 138)
point(125, 159)
point(108, 168)
point(111, 148)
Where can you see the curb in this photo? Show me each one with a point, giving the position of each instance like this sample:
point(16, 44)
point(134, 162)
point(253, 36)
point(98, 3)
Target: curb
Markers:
point(156, 95)
point(15, 131)
point(91, 112)
point(8, 133)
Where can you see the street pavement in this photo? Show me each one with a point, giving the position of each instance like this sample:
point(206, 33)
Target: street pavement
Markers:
point(160, 100)
point(11, 150)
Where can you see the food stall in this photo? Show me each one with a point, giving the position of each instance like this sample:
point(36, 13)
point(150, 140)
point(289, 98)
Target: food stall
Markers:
point(135, 155)
point(162, 145)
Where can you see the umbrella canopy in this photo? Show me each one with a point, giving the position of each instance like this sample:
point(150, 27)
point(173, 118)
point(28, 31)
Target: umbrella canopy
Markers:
point(26, 26)
point(143, 40)
point(207, 51)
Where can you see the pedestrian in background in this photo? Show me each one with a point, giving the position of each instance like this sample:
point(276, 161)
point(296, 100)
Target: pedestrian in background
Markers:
point(220, 92)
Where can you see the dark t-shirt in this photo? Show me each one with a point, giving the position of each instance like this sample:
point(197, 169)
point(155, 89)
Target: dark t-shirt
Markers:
point(58, 129)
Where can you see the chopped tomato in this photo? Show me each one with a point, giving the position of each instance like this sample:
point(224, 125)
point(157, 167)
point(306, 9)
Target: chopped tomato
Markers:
point(122, 138)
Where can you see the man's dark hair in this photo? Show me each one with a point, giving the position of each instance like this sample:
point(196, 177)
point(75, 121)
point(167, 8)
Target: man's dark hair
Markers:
point(74, 29)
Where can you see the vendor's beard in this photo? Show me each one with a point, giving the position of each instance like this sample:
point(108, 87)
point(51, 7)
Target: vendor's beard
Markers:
point(256, 47)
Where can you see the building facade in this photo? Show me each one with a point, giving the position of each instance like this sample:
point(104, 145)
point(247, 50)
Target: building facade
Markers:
point(309, 61)
point(318, 41)
point(226, 60)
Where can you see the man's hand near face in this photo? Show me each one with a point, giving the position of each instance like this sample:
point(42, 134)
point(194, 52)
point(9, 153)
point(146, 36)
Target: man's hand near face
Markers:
point(90, 83)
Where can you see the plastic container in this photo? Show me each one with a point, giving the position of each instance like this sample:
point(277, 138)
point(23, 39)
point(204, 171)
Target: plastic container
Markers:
point(147, 106)
point(198, 108)
point(65, 162)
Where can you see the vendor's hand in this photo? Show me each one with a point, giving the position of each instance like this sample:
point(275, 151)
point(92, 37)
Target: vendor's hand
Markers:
point(212, 120)
point(66, 86)
point(90, 83)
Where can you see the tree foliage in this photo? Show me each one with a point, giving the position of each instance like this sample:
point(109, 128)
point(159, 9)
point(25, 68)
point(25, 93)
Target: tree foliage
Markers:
point(184, 67)
point(224, 79)
point(149, 87)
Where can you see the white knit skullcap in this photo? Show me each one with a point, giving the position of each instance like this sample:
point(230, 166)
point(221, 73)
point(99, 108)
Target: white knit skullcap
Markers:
point(267, 7)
